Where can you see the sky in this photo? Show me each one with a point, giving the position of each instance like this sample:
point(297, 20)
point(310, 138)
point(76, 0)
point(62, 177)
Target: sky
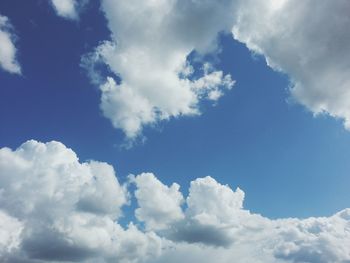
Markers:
point(159, 130)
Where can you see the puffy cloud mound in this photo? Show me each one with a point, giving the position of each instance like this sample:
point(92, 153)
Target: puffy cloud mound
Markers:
point(8, 51)
point(151, 78)
point(309, 41)
point(217, 228)
point(54, 208)
point(159, 205)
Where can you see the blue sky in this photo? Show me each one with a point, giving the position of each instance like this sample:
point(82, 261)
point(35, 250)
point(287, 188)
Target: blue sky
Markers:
point(253, 138)
point(257, 136)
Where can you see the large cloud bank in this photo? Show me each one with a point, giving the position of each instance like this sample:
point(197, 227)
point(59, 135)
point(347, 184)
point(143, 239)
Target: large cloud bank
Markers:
point(152, 79)
point(54, 208)
point(63, 210)
point(8, 51)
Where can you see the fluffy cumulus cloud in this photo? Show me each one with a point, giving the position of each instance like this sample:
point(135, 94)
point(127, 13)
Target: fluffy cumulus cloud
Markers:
point(68, 9)
point(54, 208)
point(8, 51)
point(159, 205)
point(216, 227)
point(151, 78)
point(308, 40)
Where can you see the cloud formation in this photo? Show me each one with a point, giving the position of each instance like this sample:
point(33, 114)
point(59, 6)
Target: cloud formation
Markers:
point(216, 226)
point(54, 208)
point(308, 40)
point(68, 9)
point(159, 205)
point(64, 210)
point(151, 78)
point(8, 51)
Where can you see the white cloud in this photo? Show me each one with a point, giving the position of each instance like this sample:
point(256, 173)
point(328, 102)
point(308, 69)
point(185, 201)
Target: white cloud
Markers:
point(10, 230)
point(152, 39)
point(64, 209)
point(217, 228)
point(308, 40)
point(68, 9)
point(8, 50)
point(315, 239)
point(219, 205)
point(54, 208)
point(159, 205)
point(148, 51)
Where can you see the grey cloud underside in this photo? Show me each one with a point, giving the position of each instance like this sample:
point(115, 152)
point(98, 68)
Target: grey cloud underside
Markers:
point(54, 208)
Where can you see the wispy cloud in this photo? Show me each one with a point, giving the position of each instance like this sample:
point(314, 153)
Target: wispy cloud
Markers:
point(8, 51)
point(68, 9)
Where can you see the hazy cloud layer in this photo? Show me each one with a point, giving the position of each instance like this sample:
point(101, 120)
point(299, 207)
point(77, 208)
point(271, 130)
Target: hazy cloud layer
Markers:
point(54, 208)
point(8, 51)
